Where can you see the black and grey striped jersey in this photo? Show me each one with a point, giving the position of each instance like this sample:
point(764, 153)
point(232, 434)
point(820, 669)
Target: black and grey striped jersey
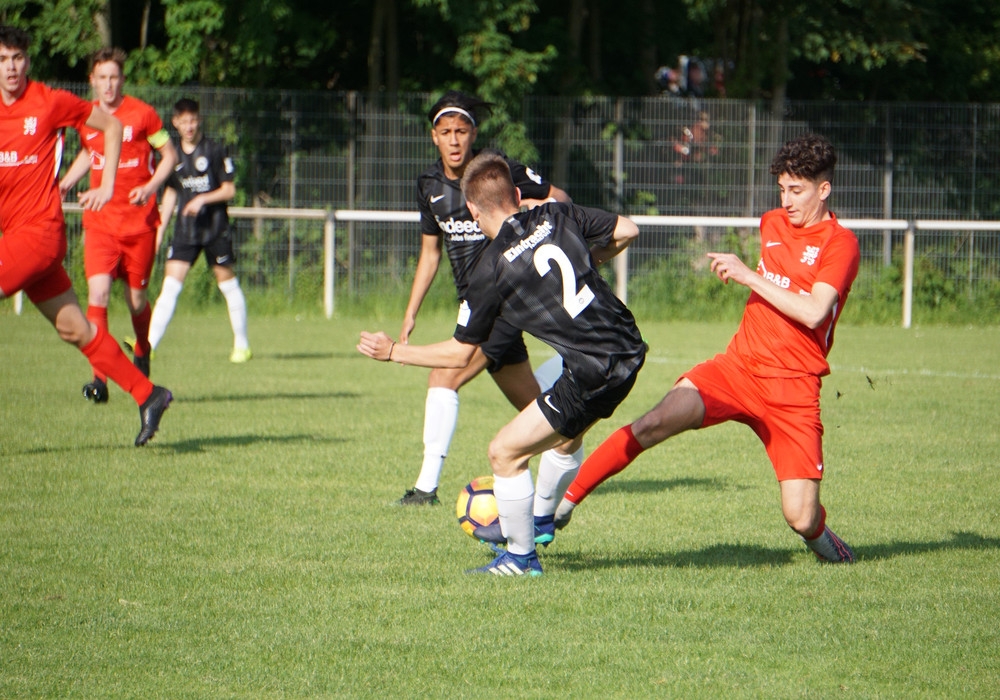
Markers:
point(202, 170)
point(539, 276)
point(443, 213)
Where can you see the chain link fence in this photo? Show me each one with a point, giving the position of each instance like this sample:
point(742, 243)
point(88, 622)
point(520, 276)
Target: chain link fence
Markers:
point(649, 156)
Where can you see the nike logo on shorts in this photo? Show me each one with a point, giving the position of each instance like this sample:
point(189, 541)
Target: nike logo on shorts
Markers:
point(437, 198)
point(548, 402)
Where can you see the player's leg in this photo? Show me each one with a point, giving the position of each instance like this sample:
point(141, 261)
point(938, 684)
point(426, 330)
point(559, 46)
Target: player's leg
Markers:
point(66, 316)
point(98, 293)
point(141, 314)
point(139, 253)
point(681, 409)
point(229, 285)
point(163, 310)
point(803, 512)
point(440, 421)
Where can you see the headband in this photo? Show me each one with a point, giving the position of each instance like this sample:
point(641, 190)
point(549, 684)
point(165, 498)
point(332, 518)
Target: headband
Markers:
point(456, 110)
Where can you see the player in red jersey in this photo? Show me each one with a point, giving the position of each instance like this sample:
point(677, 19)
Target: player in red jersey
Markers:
point(770, 375)
point(32, 117)
point(120, 239)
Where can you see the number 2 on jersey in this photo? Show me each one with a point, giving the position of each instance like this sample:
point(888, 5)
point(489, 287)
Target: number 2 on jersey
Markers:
point(573, 300)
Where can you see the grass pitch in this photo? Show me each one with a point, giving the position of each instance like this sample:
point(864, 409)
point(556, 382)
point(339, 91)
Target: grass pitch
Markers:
point(253, 550)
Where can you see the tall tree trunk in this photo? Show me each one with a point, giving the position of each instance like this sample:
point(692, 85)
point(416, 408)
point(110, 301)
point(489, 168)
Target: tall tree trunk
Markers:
point(376, 49)
point(102, 23)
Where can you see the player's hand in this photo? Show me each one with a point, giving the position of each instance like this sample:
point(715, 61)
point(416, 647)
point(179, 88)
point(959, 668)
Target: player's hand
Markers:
point(95, 199)
point(377, 346)
point(728, 266)
point(192, 208)
point(408, 325)
point(138, 196)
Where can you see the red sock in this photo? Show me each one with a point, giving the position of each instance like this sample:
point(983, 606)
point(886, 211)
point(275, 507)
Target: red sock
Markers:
point(610, 457)
point(140, 324)
point(98, 315)
point(822, 525)
point(105, 355)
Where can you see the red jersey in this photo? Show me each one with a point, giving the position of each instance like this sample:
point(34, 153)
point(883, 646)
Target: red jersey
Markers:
point(142, 132)
point(770, 343)
point(30, 156)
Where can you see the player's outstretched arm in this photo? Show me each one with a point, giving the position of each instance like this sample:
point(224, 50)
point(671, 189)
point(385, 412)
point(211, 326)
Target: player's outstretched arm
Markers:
point(427, 267)
point(102, 121)
point(625, 232)
point(448, 353)
point(808, 309)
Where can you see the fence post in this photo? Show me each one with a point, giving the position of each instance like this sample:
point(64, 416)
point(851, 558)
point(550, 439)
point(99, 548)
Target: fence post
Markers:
point(329, 262)
point(908, 276)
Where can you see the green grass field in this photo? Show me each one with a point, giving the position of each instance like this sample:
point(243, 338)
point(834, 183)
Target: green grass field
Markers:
point(253, 551)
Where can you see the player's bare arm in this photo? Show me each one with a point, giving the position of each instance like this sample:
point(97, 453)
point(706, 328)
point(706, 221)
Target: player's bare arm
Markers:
point(100, 120)
point(625, 232)
point(808, 309)
point(223, 193)
point(427, 267)
point(555, 195)
point(167, 205)
point(79, 168)
point(168, 159)
point(448, 353)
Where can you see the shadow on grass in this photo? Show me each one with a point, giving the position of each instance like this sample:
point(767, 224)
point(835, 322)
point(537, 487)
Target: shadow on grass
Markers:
point(213, 398)
point(741, 556)
point(958, 541)
point(658, 485)
point(738, 556)
point(197, 445)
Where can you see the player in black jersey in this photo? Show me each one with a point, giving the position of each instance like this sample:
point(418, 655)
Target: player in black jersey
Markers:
point(201, 185)
point(445, 223)
point(538, 275)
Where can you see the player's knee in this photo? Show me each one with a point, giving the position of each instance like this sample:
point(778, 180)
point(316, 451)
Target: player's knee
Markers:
point(501, 460)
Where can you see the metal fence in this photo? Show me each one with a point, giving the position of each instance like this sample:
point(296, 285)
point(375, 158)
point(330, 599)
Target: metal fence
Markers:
point(646, 156)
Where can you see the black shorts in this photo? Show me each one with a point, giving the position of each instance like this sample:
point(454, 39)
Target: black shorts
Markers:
point(188, 242)
point(505, 346)
point(570, 414)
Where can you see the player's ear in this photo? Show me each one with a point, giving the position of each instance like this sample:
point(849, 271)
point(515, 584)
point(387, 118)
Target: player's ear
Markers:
point(473, 209)
point(517, 197)
point(824, 190)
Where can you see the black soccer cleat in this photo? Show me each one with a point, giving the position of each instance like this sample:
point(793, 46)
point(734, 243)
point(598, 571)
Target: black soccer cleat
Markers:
point(142, 364)
point(150, 413)
point(416, 497)
point(96, 391)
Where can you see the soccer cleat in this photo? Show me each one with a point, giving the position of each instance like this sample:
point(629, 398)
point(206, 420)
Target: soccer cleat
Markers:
point(508, 564)
point(96, 391)
point(150, 413)
point(416, 497)
point(545, 529)
point(142, 364)
point(490, 534)
point(563, 514)
point(830, 549)
point(240, 355)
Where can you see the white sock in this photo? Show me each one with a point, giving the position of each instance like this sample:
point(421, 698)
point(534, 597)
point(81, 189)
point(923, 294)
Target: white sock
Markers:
point(556, 472)
point(237, 304)
point(440, 419)
point(514, 496)
point(163, 310)
point(548, 372)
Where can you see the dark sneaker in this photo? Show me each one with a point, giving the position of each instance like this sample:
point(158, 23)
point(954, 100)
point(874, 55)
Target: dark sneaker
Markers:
point(563, 514)
point(545, 529)
point(150, 412)
point(508, 564)
point(416, 497)
point(142, 364)
point(490, 534)
point(96, 391)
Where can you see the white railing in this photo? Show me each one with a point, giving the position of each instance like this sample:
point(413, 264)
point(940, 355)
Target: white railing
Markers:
point(332, 217)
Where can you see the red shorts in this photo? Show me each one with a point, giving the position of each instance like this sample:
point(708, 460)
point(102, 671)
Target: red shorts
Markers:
point(31, 260)
point(123, 256)
point(782, 411)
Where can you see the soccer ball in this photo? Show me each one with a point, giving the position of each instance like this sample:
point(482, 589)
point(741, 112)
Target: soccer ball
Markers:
point(476, 505)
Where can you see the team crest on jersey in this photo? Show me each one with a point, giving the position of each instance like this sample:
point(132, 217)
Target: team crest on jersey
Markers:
point(201, 164)
point(810, 255)
point(127, 134)
point(30, 126)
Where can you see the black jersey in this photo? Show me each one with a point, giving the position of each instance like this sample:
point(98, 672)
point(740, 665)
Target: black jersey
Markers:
point(202, 170)
point(443, 213)
point(538, 275)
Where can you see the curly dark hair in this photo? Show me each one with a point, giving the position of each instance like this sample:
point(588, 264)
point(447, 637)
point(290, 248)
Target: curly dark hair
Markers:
point(14, 38)
point(470, 104)
point(810, 156)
